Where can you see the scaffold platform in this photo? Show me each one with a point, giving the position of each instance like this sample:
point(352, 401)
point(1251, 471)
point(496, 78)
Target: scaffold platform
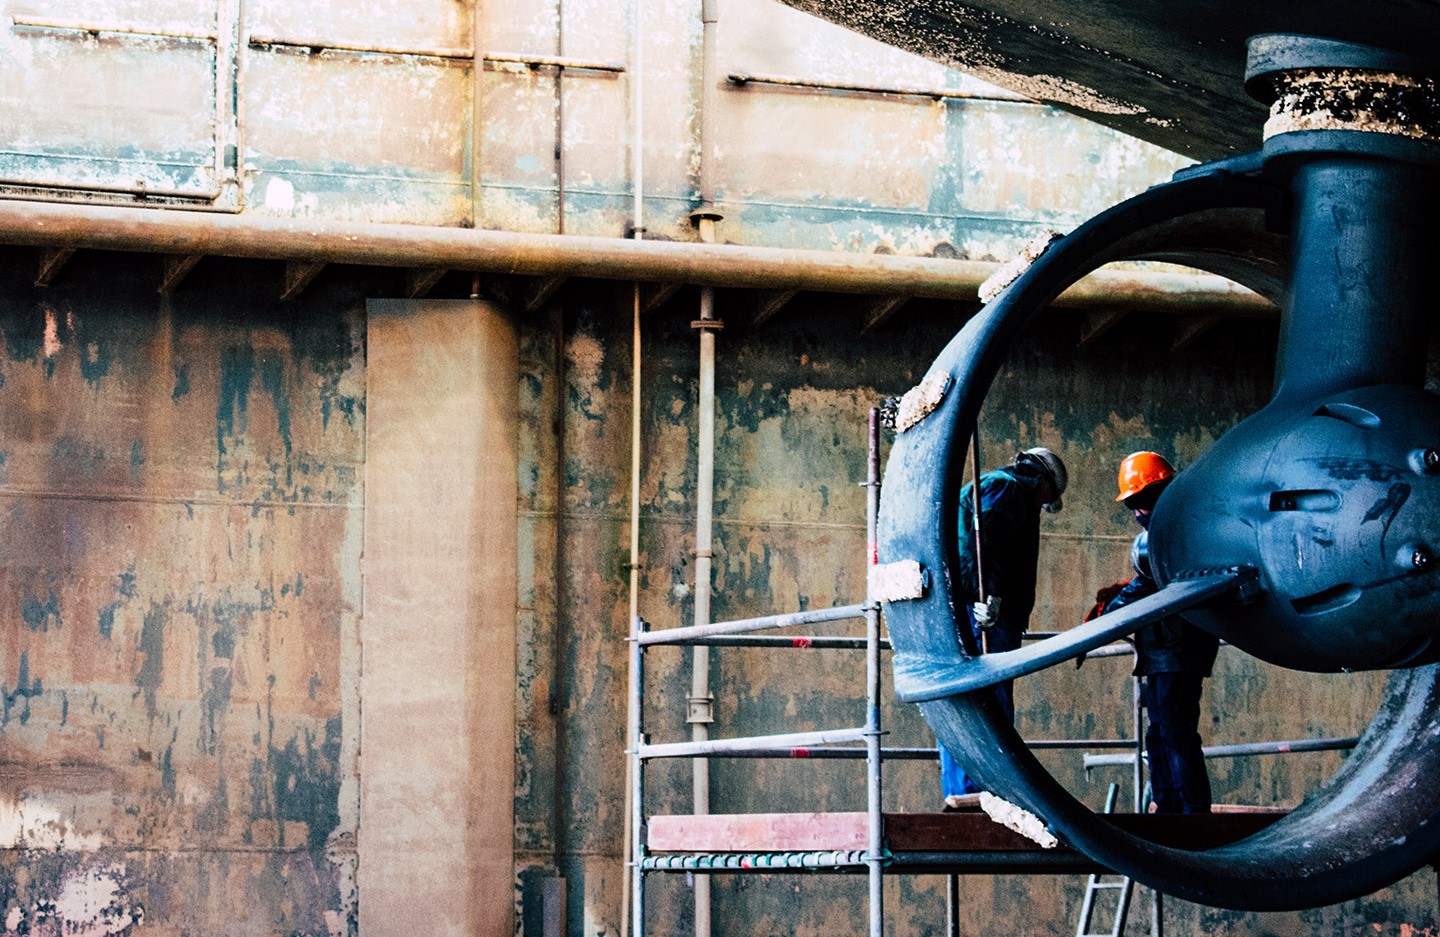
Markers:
point(962, 842)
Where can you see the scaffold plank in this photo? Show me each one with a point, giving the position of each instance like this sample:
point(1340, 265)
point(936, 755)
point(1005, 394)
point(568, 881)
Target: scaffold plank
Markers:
point(961, 832)
point(757, 832)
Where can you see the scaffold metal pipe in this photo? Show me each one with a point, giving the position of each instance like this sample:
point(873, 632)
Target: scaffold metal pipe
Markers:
point(1241, 750)
point(916, 754)
point(175, 231)
point(875, 844)
point(719, 746)
point(742, 625)
point(1118, 649)
point(636, 904)
point(801, 642)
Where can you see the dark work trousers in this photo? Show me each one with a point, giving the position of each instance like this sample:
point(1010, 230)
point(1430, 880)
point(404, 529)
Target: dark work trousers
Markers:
point(1179, 782)
point(953, 779)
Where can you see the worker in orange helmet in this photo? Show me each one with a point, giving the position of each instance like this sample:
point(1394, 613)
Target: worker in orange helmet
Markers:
point(1172, 655)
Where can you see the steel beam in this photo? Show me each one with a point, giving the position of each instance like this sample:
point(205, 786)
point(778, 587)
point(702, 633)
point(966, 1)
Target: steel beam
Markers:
point(420, 281)
point(298, 275)
point(541, 292)
point(1189, 329)
point(769, 304)
point(1098, 322)
point(653, 298)
point(51, 262)
point(177, 268)
point(880, 310)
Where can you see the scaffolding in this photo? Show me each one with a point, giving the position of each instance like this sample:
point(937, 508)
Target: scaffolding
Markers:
point(874, 860)
point(987, 847)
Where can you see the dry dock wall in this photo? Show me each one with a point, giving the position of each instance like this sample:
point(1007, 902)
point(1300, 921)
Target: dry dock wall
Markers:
point(249, 690)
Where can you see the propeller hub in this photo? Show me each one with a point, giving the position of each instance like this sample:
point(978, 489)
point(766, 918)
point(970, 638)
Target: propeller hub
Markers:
point(1337, 503)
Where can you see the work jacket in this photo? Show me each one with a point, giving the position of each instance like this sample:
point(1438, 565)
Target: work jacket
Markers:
point(1010, 543)
point(1171, 645)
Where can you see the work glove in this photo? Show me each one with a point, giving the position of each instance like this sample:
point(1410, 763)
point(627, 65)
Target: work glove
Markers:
point(1103, 597)
point(986, 613)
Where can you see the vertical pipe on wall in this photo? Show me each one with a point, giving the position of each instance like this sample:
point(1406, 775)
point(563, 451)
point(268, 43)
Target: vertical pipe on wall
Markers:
point(229, 136)
point(699, 713)
point(632, 740)
point(560, 118)
point(709, 75)
point(558, 680)
point(700, 709)
point(633, 807)
point(477, 73)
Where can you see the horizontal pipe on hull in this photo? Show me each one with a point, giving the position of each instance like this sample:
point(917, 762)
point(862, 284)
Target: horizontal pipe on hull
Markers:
point(165, 231)
point(120, 29)
point(937, 94)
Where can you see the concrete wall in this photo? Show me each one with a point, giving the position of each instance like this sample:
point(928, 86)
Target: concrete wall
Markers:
point(182, 487)
point(439, 625)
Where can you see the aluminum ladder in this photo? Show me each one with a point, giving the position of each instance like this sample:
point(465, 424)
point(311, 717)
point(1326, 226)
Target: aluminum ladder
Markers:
point(1100, 882)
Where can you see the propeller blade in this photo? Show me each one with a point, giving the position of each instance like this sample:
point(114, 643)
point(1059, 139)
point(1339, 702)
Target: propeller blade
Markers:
point(918, 679)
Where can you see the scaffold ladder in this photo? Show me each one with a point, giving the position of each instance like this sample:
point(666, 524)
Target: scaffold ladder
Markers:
point(1106, 883)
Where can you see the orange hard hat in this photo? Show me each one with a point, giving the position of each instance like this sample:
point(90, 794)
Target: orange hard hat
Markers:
point(1140, 470)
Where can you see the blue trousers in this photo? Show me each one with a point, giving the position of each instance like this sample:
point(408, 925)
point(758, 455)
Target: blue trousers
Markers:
point(953, 779)
point(1179, 782)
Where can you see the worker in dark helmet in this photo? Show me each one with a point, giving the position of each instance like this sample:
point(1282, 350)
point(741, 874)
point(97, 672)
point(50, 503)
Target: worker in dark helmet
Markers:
point(1011, 500)
point(1172, 655)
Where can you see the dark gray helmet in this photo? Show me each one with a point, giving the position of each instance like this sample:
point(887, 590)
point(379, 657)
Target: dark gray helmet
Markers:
point(1055, 468)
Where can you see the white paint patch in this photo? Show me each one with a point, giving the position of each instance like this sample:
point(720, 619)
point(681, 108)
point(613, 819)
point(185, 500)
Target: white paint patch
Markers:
point(52, 334)
point(996, 283)
point(279, 195)
point(28, 825)
point(13, 919)
point(896, 582)
point(1018, 819)
point(91, 903)
point(921, 400)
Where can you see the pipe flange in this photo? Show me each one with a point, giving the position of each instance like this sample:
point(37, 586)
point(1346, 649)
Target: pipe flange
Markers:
point(1329, 96)
point(1273, 54)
